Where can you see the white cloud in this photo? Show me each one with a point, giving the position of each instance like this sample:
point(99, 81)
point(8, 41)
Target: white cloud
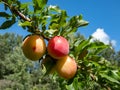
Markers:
point(100, 35)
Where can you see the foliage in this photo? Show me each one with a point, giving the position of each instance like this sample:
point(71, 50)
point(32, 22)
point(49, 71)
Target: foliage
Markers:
point(94, 72)
point(8, 44)
point(112, 56)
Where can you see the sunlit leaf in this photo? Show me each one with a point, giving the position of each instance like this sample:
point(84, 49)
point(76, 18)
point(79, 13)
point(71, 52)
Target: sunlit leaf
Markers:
point(83, 44)
point(53, 25)
point(111, 79)
point(39, 4)
point(26, 23)
point(24, 5)
point(50, 33)
point(97, 47)
point(70, 87)
point(75, 83)
point(114, 74)
point(54, 8)
point(77, 21)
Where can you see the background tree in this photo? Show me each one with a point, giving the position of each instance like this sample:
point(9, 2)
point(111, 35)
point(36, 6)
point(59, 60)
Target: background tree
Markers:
point(117, 58)
point(8, 44)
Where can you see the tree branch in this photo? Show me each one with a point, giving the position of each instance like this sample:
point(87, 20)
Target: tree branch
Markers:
point(21, 15)
point(15, 11)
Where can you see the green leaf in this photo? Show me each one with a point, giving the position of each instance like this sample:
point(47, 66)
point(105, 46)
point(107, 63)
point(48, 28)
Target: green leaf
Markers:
point(62, 18)
point(73, 24)
point(24, 5)
point(53, 25)
point(97, 47)
point(114, 74)
point(82, 23)
point(83, 53)
point(54, 8)
point(4, 14)
point(81, 46)
point(70, 87)
point(49, 65)
point(111, 79)
point(7, 24)
point(50, 33)
point(73, 30)
point(75, 84)
point(77, 21)
point(58, 21)
point(26, 23)
point(39, 4)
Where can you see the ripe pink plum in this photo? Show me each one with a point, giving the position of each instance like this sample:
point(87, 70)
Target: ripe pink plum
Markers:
point(58, 47)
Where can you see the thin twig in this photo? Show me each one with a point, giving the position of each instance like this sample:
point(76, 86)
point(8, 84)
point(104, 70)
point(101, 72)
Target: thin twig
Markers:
point(15, 11)
point(21, 15)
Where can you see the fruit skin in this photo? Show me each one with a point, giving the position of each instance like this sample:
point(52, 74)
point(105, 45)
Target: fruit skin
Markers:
point(58, 47)
point(66, 67)
point(34, 47)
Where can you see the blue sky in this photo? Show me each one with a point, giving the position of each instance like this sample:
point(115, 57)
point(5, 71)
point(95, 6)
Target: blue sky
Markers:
point(103, 17)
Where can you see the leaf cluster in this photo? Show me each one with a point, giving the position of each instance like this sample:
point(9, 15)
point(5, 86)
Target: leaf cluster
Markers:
point(94, 71)
point(38, 17)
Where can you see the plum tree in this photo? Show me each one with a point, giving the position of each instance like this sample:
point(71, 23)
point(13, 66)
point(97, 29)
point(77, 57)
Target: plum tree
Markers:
point(86, 70)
